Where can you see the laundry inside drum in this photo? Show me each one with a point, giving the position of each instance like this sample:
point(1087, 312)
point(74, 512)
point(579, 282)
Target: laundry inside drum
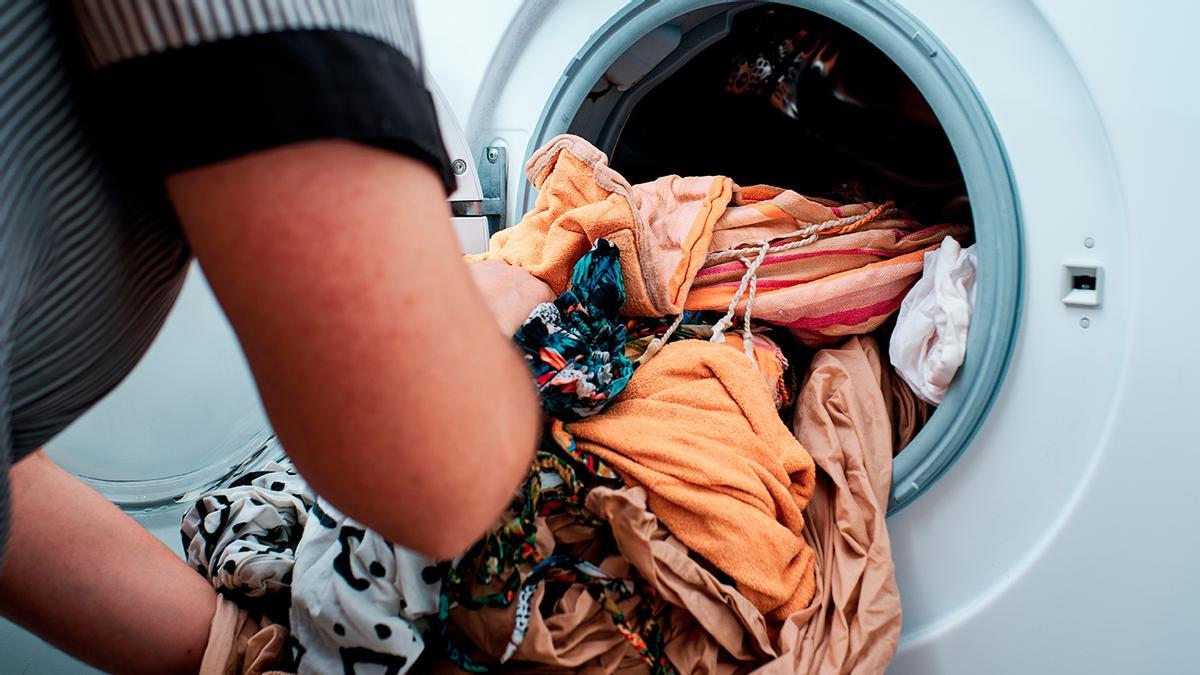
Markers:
point(779, 95)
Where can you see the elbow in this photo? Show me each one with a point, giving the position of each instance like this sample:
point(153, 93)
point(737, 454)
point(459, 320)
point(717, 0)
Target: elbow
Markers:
point(473, 492)
point(440, 481)
point(448, 541)
point(459, 523)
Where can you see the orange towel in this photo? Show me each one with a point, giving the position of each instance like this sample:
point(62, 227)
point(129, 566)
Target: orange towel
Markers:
point(685, 243)
point(698, 429)
point(663, 234)
point(769, 358)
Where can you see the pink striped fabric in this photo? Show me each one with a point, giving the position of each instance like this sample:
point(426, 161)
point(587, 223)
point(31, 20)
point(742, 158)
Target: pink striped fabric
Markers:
point(831, 270)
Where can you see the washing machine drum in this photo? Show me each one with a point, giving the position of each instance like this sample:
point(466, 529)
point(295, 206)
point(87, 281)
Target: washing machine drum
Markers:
point(186, 419)
point(853, 109)
point(794, 99)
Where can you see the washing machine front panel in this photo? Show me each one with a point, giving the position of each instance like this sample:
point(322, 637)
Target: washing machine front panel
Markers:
point(1108, 586)
point(985, 528)
point(984, 524)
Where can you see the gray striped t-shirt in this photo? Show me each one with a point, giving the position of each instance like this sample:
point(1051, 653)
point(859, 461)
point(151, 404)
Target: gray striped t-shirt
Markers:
point(99, 101)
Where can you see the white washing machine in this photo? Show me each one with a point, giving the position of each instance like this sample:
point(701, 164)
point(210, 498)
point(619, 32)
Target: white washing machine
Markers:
point(1043, 521)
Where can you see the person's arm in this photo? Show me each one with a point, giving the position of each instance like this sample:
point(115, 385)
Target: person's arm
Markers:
point(378, 362)
point(334, 259)
point(85, 577)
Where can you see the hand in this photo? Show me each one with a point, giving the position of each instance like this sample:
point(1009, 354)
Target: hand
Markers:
point(509, 291)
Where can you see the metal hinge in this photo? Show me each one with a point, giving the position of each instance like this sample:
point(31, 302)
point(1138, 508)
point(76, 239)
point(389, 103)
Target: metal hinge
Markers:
point(493, 178)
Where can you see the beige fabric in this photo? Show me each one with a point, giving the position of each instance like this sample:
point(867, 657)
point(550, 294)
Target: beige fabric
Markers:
point(711, 627)
point(725, 622)
point(240, 644)
point(853, 623)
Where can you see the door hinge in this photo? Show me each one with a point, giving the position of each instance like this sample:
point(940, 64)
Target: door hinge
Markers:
point(492, 169)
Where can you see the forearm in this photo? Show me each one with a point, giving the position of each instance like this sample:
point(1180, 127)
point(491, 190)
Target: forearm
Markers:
point(377, 359)
point(86, 578)
point(429, 450)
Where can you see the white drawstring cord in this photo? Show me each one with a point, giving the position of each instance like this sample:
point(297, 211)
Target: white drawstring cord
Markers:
point(749, 280)
point(658, 342)
point(747, 336)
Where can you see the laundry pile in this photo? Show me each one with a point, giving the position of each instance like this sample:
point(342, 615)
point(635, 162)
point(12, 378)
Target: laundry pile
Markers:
point(672, 521)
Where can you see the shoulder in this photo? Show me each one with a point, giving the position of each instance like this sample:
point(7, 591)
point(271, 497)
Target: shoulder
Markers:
point(194, 82)
point(118, 30)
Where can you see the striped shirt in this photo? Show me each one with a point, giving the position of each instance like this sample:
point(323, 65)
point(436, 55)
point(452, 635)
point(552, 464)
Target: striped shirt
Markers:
point(99, 101)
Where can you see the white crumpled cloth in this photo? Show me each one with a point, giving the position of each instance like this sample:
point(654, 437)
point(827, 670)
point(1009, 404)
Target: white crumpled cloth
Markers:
point(243, 537)
point(358, 602)
point(930, 340)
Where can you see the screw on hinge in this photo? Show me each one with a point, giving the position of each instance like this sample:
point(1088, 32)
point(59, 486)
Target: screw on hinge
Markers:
point(459, 166)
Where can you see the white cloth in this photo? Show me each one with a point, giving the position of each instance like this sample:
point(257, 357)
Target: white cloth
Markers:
point(930, 340)
point(243, 537)
point(357, 600)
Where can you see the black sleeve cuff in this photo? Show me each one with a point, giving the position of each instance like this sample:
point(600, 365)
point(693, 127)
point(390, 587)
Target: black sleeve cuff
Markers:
point(184, 108)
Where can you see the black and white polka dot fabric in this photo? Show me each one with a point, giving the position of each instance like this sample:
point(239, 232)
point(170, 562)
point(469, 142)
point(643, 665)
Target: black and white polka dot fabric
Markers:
point(358, 603)
point(244, 537)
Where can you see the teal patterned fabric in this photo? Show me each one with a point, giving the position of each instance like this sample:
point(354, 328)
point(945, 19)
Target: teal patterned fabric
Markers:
point(575, 346)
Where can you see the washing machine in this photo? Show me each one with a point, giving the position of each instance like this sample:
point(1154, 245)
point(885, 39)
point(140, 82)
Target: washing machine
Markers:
point(1043, 519)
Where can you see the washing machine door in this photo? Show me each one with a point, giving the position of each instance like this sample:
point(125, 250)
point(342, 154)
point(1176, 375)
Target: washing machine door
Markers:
point(188, 417)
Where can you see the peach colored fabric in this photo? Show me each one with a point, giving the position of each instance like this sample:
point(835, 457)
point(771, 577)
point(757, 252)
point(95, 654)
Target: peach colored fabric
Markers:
point(663, 232)
point(697, 428)
point(847, 282)
point(853, 623)
point(240, 644)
